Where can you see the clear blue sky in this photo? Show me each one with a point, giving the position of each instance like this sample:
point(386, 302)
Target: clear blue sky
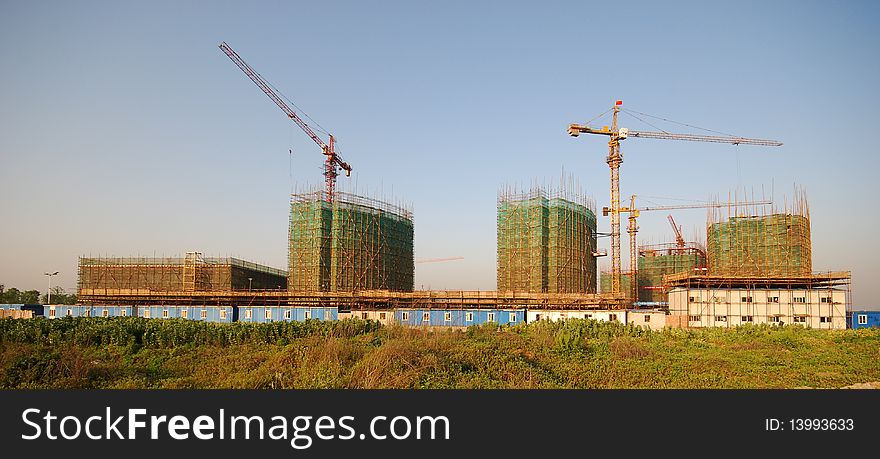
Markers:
point(124, 130)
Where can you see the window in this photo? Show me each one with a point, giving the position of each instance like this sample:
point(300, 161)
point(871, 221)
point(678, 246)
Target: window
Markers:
point(381, 316)
point(147, 313)
point(692, 299)
point(69, 312)
point(247, 313)
point(746, 299)
point(774, 318)
point(720, 318)
point(825, 299)
point(328, 315)
point(87, 313)
point(426, 316)
point(364, 315)
point(612, 317)
point(52, 313)
point(123, 312)
point(470, 317)
point(404, 316)
point(184, 313)
point(490, 317)
point(204, 314)
point(800, 319)
point(287, 314)
point(164, 313)
point(308, 314)
point(105, 313)
point(694, 318)
point(747, 319)
point(647, 318)
point(863, 319)
point(447, 317)
point(268, 313)
point(588, 316)
point(799, 299)
point(511, 317)
point(825, 320)
point(773, 299)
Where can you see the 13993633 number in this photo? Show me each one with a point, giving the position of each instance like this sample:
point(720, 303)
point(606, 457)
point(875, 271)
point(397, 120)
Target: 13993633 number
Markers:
point(821, 424)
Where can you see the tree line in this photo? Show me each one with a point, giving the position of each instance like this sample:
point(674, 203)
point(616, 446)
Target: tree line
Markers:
point(13, 295)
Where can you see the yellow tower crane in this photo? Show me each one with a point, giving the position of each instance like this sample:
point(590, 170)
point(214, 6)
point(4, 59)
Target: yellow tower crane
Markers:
point(633, 228)
point(615, 158)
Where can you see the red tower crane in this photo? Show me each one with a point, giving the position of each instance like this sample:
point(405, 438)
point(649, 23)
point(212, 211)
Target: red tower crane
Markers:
point(679, 240)
point(333, 162)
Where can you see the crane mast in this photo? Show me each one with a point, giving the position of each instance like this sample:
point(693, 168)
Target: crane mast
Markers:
point(615, 158)
point(333, 162)
point(633, 230)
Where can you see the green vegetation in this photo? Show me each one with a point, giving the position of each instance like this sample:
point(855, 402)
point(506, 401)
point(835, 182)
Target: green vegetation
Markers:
point(16, 296)
point(142, 353)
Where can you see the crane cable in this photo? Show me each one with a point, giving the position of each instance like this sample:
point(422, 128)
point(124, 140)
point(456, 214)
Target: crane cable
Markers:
point(631, 112)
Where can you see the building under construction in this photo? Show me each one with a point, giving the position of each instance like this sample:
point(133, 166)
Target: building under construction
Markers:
point(656, 261)
point(760, 271)
point(352, 243)
point(193, 273)
point(546, 242)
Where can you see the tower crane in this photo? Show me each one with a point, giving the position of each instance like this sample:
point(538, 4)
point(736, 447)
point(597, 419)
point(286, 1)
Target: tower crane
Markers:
point(633, 229)
point(615, 158)
point(333, 162)
point(679, 240)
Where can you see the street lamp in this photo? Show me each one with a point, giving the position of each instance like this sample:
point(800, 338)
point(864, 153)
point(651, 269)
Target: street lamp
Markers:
point(49, 292)
point(250, 279)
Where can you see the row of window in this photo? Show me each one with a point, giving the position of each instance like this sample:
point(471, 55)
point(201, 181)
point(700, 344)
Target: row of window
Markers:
point(611, 317)
point(447, 317)
point(797, 319)
point(770, 299)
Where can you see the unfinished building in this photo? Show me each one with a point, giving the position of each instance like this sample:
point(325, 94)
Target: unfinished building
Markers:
point(656, 261)
point(760, 271)
point(761, 245)
point(546, 242)
point(354, 243)
point(192, 273)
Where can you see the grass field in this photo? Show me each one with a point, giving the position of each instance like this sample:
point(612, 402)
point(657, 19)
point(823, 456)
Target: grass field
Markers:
point(144, 353)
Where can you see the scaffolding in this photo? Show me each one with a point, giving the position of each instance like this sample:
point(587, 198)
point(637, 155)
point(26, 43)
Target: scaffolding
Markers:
point(546, 241)
point(354, 243)
point(191, 273)
point(749, 243)
point(656, 261)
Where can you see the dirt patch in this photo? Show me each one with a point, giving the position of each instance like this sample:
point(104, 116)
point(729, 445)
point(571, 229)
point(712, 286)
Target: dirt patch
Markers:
point(864, 385)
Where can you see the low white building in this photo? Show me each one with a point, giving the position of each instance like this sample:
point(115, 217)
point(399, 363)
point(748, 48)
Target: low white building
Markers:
point(534, 315)
point(819, 301)
point(649, 318)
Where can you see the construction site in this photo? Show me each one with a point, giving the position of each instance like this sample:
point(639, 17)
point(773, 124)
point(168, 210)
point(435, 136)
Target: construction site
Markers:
point(353, 255)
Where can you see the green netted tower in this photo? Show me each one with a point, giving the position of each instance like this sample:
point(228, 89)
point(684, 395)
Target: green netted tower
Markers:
point(605, 282)
point(353, 243)
point(546, 242)
point(760, 246)
point(657, 261)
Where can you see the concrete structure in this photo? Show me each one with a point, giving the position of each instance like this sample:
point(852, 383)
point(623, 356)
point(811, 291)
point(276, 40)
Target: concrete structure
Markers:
point(863, 319)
